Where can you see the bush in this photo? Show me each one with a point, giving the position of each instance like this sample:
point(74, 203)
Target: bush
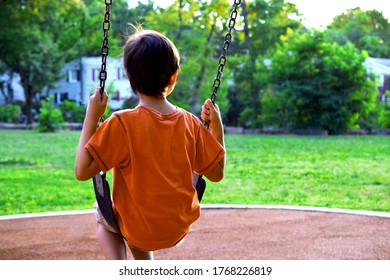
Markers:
point(384, 117)
point(10, 113)
point(277, 109)
point(249, 119)
point(326, 85)
point(370, 120)
point(50, 118)
point(71, 112)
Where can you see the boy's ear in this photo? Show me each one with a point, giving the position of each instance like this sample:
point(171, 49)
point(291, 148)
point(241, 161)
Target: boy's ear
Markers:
point(173, 78)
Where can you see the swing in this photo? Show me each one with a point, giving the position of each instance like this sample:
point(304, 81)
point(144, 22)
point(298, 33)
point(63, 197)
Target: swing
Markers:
point(100, 184)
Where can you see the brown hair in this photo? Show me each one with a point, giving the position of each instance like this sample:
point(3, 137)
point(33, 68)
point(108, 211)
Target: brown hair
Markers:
point(150, 59)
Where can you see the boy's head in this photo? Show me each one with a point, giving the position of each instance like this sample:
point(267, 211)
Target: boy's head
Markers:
point(150, 60)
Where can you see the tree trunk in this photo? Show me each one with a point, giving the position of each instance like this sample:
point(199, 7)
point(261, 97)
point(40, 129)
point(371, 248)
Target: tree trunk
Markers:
point(28, 94)
point(254, 91)
point(246, 24)
point(178, 35)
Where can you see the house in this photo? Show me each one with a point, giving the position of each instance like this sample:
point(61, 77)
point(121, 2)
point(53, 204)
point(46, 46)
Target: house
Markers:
point(13, 81)
point(381, 68)
point(82, 76)
point(79, 80)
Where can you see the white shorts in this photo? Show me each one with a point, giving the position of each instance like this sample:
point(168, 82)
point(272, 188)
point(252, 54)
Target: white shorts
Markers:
point(100, 219)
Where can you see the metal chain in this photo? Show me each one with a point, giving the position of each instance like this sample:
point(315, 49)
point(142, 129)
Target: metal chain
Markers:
point(225, 48)
point(105, 48)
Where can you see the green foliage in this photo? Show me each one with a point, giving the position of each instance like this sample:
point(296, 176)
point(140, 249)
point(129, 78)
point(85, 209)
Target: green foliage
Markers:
point(72, 112)
point(370, 120)
point(121, 18)
point(249, 118)
point(107, 113)
point(37, 37)
point(264, 22)
point(367, 30)
point(384, 114)
point(50, 118)
point(318, 85)
point(378, 118)
point(10, 113)
point(277, 110)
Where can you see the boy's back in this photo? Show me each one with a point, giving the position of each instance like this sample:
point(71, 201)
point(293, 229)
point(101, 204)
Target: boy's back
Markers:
point(153, 157)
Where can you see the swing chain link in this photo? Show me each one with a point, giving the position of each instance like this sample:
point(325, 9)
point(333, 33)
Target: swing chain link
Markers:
point(105, 47)
point(225, 48)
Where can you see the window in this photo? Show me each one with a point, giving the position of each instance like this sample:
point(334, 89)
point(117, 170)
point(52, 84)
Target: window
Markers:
point(96, 74)
point(121, 74)
point(74, 76)
point(386, 82)
point(64, 96)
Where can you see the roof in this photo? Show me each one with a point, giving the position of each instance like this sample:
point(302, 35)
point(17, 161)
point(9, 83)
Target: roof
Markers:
point(381, 65)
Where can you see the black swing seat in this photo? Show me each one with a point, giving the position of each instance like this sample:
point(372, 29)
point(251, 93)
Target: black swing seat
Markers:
point(103, 199)
point(200, 185)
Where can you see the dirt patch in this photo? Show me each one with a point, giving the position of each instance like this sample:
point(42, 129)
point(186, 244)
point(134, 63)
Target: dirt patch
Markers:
point(220, 234)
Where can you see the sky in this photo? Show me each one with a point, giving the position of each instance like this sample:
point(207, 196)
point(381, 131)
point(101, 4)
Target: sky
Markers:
point(318, 13)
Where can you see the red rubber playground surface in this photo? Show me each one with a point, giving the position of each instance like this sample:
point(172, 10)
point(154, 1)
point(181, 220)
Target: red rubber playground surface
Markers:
point(220, 234)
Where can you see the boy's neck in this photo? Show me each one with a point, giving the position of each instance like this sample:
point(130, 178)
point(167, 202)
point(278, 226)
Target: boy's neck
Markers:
point(159, 103)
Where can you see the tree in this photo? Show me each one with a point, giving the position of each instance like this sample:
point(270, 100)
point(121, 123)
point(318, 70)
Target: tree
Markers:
point(318, 85)
point(263, 24)
point(33, 42)
point(367, 30)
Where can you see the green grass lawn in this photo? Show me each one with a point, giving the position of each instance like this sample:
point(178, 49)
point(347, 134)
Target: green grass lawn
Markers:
point(350, 172)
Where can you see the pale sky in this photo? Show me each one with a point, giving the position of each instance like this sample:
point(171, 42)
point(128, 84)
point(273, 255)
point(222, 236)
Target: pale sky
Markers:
point(318, 13)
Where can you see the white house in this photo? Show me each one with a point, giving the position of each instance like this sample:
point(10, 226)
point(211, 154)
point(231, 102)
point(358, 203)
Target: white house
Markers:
point(81, 77)
point(381, 68)
point(16, 85)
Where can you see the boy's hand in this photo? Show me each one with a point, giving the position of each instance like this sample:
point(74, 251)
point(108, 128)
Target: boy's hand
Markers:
point(97, 105)
point(210, 114)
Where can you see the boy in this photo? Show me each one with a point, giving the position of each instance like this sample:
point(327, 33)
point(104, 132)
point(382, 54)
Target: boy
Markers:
point(153, 150)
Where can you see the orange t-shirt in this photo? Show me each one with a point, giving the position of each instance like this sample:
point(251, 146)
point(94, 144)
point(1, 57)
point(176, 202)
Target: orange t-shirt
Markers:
point(153, 157)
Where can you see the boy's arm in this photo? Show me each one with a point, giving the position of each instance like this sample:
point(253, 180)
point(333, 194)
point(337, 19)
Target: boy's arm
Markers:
point(85, 166)
point(211, 115)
